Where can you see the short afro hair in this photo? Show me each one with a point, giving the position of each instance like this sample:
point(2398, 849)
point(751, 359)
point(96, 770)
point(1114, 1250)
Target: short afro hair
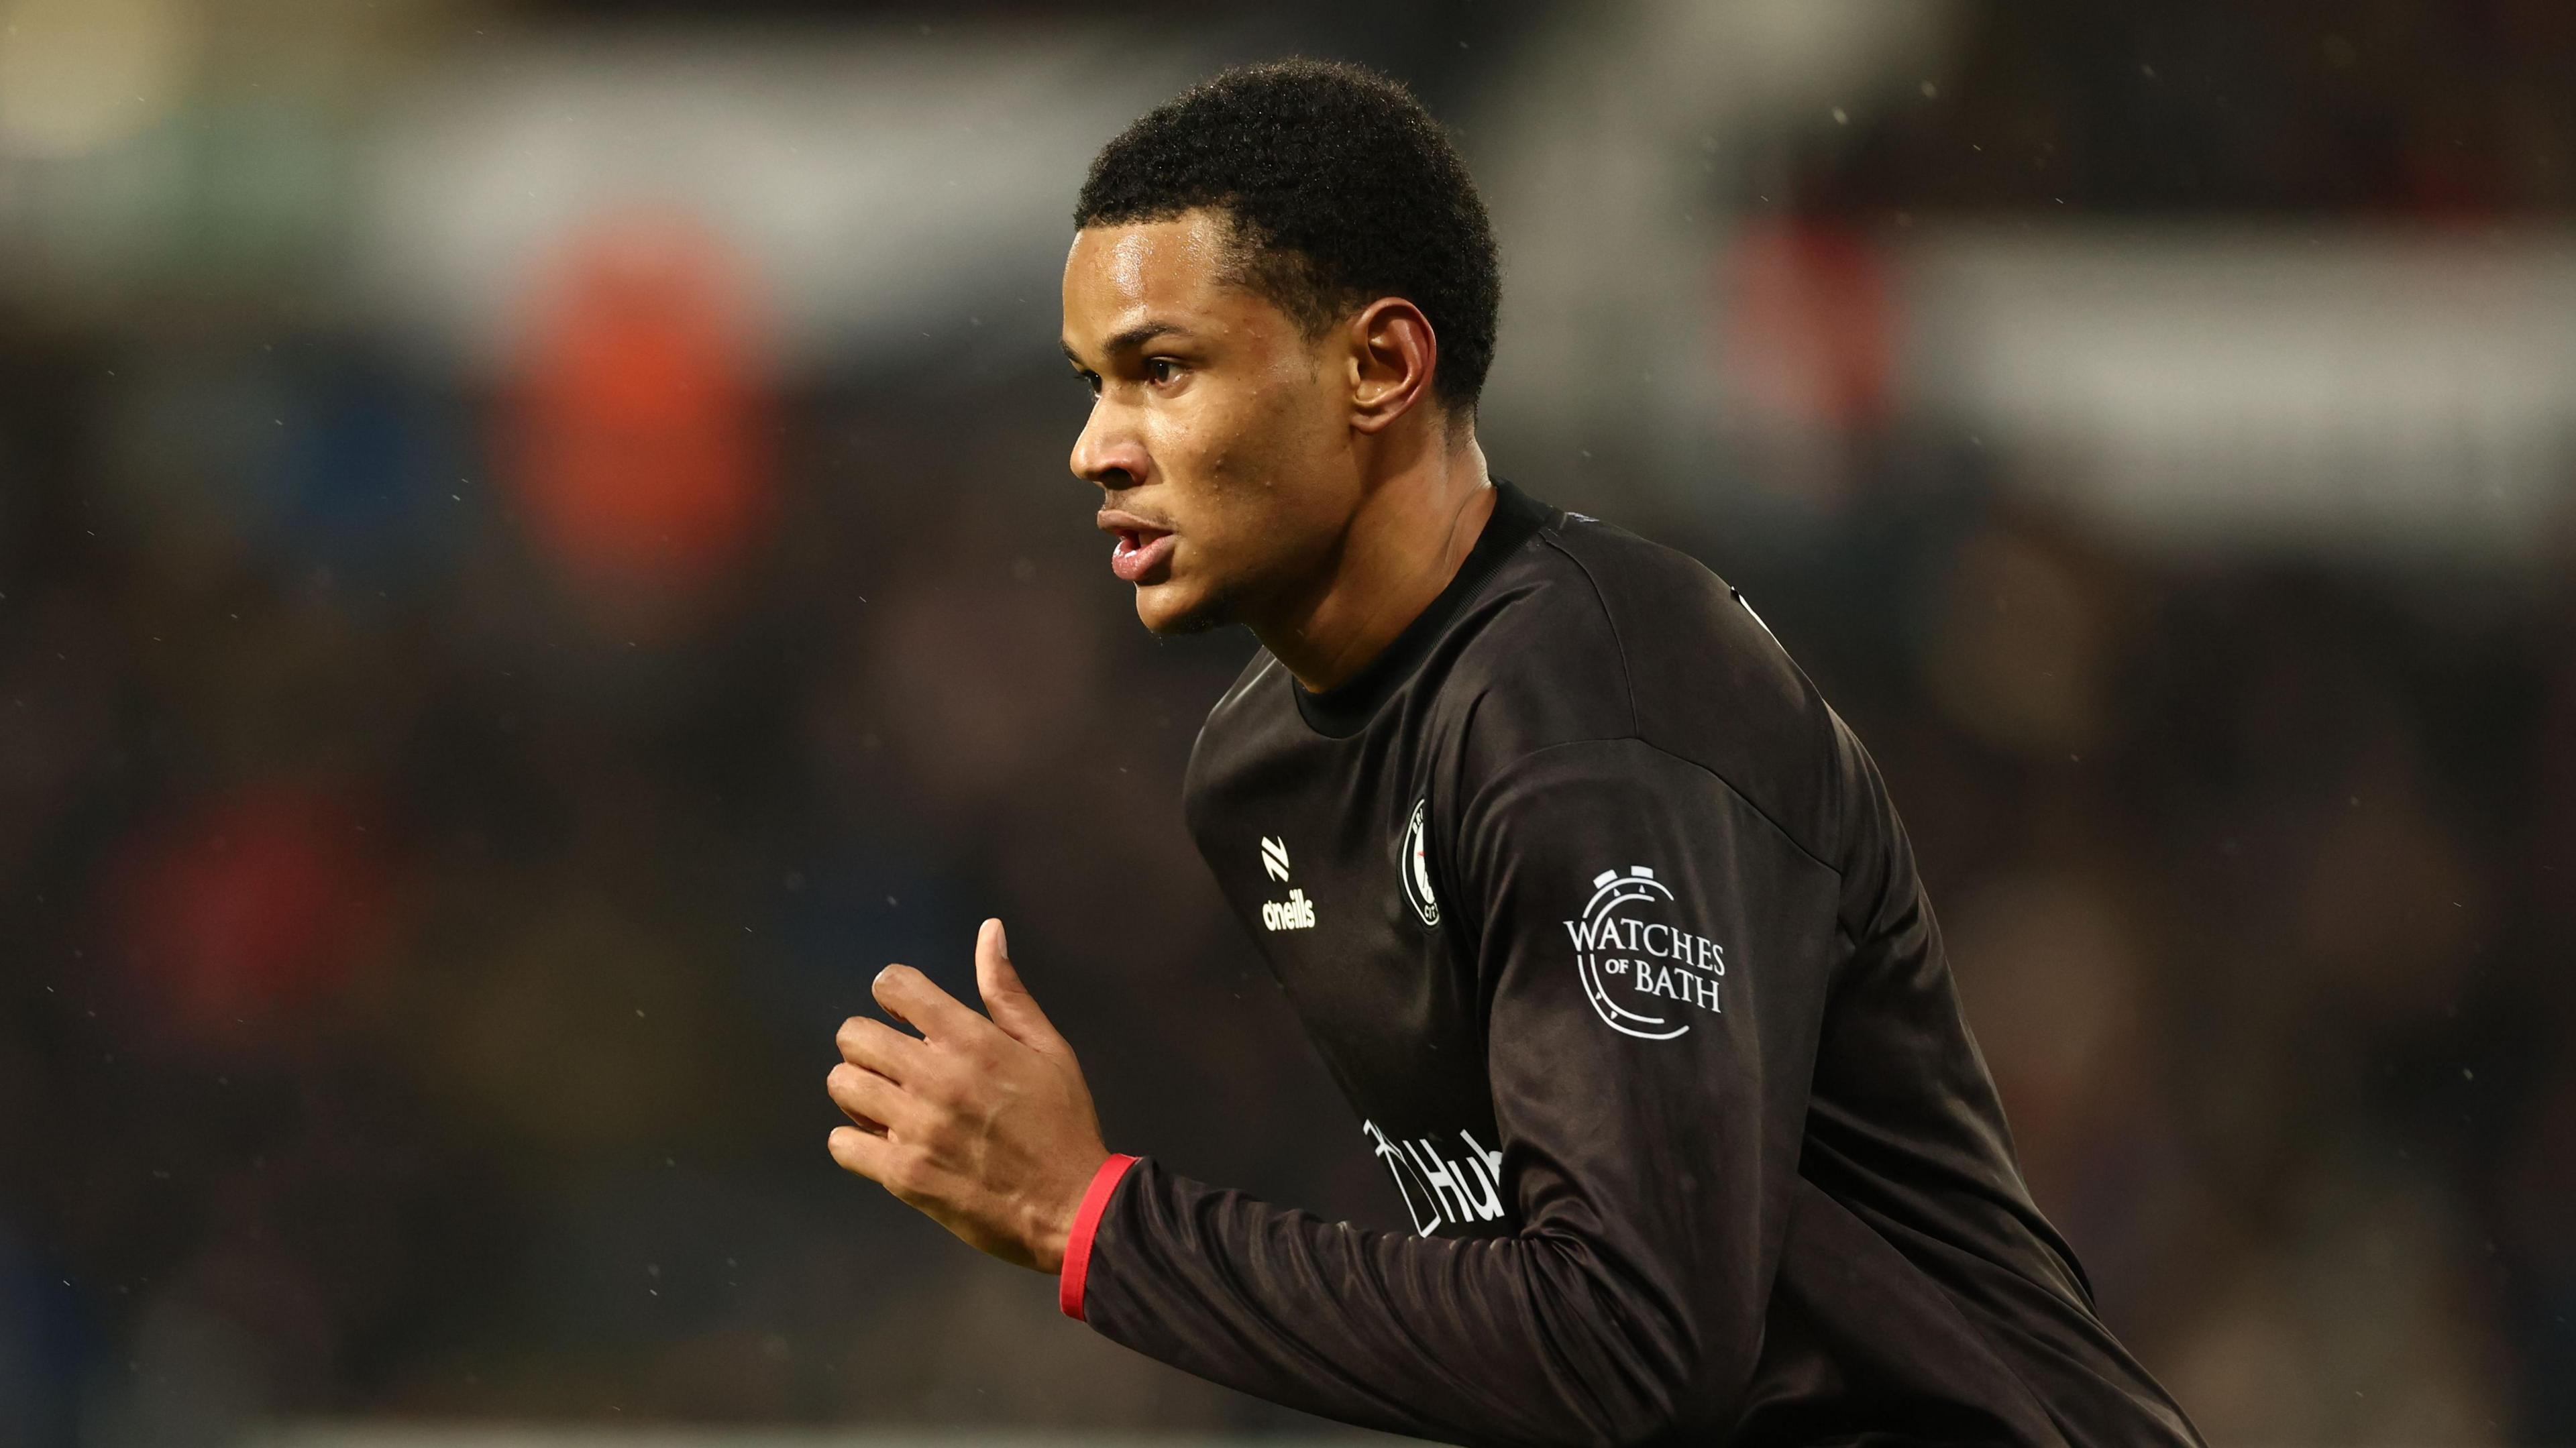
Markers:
point(1340, 189)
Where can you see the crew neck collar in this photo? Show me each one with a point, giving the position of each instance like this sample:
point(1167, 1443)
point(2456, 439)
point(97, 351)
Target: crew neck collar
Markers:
point(1346, 708)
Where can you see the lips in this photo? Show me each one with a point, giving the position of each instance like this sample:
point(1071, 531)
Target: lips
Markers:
point(1141, 555)
point(1143, 550)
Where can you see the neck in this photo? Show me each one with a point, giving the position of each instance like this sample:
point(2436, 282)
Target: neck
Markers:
point(1415, 524)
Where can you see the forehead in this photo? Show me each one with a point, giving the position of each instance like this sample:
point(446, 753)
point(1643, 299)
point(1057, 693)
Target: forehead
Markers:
point(1123, 273)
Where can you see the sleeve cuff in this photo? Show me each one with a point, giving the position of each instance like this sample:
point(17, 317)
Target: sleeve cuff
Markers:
point(1086, 1221)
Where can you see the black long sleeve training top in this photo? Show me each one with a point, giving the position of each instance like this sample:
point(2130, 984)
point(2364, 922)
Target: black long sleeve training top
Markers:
point(1604, 923)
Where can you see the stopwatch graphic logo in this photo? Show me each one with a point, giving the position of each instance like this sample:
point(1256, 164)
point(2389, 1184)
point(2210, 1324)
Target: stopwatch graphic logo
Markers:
point(1632, 963)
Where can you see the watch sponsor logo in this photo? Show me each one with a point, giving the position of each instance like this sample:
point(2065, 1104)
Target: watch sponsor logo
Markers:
point(1439, 1188)
point(1644, 974)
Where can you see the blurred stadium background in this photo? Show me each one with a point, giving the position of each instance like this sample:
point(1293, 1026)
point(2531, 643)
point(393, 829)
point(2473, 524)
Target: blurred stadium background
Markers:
point(535, 553)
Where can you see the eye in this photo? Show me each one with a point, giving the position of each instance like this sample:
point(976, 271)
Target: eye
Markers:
point(1162, 371)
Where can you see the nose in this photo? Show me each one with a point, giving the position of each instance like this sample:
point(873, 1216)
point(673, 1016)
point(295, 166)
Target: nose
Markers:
point(1108, 452)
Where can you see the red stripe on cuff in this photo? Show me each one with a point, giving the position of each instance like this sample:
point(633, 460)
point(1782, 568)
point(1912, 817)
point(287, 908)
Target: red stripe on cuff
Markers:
point(1086, 1220)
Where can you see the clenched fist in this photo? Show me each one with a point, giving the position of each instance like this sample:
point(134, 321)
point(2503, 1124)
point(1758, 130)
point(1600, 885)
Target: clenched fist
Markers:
point(983, 1124)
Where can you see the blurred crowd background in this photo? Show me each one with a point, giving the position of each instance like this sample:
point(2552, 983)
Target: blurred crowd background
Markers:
point(536, 554)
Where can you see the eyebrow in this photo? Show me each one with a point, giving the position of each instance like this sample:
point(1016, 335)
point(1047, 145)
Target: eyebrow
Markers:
point(1134, 337)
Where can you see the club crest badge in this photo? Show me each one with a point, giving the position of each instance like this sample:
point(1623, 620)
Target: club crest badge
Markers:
point(1413, 866)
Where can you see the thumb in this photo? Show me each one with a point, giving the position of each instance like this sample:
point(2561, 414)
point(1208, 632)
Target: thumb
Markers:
point(1006, 1000)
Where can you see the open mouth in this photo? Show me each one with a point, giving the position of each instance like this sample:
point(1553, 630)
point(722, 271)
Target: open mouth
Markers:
point(1140, 554)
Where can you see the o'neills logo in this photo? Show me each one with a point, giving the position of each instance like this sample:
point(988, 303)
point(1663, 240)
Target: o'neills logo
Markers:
point(1294, 913)
point(1633, 963)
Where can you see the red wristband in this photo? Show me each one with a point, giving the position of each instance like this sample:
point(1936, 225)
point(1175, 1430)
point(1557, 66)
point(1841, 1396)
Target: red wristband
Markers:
point(1086, 1220)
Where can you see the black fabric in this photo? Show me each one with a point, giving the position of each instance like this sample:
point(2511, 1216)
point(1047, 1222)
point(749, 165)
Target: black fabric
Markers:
point(1604, 923)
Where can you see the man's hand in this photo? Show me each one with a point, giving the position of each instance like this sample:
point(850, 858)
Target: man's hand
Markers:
point(985, 1125)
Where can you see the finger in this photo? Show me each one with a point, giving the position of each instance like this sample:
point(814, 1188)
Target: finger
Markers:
point(879, 1047)
point(868, 1098)
point(1006, 1000)
point(869, 1156)
point(917, 1001)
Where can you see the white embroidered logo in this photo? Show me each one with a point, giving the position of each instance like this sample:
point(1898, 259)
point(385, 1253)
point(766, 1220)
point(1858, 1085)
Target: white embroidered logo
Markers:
point(1440, 1190)
point(1294, 913)
point(1413, 866)
point(1627, 959)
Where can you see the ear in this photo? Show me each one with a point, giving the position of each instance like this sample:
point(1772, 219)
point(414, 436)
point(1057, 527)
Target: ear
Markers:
point(1393, 355)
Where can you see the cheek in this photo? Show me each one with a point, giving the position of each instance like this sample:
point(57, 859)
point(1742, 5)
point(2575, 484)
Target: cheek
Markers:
point(1273, 443)
point(1218, 457)
point(1247, 468)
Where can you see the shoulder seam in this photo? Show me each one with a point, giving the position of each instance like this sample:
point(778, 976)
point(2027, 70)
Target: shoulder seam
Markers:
point(1627, 676)
point(1759, 812)
point(1636, 725)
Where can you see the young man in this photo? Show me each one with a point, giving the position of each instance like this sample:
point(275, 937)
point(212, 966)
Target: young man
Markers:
point(1598, 914)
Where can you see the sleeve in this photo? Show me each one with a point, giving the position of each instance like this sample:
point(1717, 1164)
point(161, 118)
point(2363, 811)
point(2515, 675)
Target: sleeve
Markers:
point(1652, 957)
